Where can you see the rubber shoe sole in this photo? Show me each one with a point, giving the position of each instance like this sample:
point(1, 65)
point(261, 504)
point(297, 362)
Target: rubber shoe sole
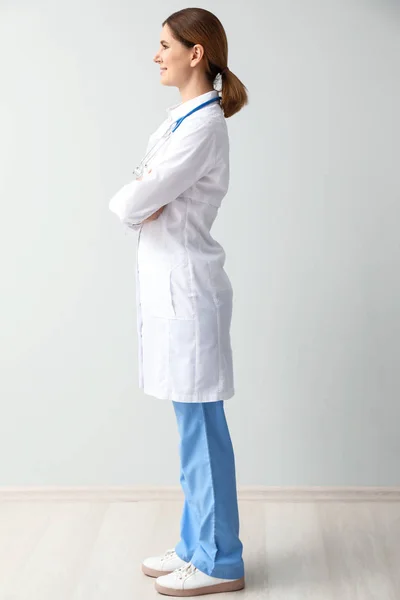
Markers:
point(153, 572)
point(229, 586)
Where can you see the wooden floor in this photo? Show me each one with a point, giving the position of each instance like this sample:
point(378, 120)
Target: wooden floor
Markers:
point(292, 551)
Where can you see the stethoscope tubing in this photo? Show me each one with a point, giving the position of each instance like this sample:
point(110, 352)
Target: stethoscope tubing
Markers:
point(139, 169)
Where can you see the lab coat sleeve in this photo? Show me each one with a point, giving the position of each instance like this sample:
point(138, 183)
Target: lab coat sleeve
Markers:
point(188, 157)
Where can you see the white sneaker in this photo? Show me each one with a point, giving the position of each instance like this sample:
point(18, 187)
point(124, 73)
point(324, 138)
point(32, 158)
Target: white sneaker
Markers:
point(161, 565)
point(189, 581)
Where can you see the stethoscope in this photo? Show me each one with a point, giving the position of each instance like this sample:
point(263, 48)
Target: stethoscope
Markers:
point(173, 127)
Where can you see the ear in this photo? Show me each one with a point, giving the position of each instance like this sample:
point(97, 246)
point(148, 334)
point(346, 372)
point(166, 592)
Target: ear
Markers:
point(197, 53)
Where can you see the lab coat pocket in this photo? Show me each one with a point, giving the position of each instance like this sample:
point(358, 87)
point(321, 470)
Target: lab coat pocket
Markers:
point(155, 292)
point(182, 294)
point(221, 287)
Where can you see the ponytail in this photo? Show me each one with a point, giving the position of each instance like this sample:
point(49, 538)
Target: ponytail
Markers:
point(234, 93)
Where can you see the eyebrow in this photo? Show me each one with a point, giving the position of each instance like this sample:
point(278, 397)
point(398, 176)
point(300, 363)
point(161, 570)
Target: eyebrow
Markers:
point(163, 42)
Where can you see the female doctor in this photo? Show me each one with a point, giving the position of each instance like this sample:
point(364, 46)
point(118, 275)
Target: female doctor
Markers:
point(184, 297)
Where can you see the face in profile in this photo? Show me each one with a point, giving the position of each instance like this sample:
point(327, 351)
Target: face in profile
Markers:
point(175, 60)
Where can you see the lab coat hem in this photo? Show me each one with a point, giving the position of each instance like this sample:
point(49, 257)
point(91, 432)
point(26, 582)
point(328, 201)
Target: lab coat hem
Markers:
point(198, 397)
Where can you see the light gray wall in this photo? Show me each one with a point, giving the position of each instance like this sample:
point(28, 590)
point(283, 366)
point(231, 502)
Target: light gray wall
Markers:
point(310, 229)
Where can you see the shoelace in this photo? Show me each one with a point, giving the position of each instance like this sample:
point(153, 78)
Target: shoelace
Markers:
point(185, 571)
point(168, 554)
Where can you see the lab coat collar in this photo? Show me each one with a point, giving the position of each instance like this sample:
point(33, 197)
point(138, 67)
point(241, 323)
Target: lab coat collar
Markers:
point(182, 108)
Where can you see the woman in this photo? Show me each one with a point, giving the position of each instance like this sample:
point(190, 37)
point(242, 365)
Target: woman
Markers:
point(184, 297)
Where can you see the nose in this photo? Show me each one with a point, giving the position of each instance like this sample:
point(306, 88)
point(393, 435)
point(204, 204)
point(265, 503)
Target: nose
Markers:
point(156, 58)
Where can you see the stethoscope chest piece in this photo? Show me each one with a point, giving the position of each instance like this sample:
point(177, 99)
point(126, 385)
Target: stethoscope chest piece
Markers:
point(138, 172)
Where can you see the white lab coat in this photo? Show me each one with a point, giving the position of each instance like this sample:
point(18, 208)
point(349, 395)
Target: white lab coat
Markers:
point(184, 296)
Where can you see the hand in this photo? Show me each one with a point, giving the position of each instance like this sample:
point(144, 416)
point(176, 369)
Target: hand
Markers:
point(154, 216)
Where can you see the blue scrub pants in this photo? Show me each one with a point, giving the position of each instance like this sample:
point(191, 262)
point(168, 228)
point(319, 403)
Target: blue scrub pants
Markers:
point(210, 518)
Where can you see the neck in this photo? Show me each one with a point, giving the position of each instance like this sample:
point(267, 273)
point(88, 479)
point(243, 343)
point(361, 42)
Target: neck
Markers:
point(193, 88)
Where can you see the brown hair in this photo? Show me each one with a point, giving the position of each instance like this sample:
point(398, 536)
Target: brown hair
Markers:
point(192, 26)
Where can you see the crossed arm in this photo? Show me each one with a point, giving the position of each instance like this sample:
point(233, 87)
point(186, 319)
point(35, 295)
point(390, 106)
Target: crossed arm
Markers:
point(158, 212)
point(190, 156)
